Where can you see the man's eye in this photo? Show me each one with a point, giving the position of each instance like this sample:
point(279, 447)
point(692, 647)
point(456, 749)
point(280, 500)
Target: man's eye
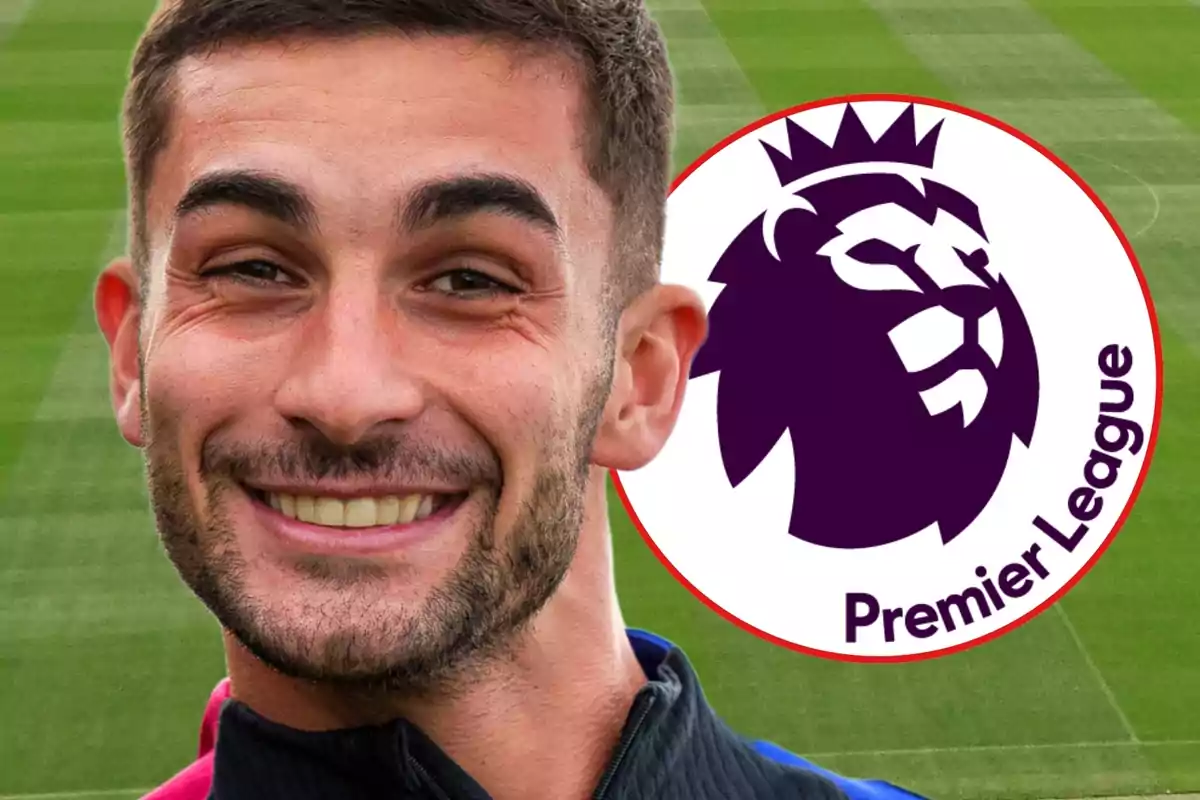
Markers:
point(469, 283)
point(255, 272)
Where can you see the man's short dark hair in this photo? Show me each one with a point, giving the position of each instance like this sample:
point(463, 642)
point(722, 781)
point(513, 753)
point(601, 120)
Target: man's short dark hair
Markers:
point(617, 45)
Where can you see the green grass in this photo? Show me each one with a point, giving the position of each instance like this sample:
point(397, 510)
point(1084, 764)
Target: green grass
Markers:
point(106, 660)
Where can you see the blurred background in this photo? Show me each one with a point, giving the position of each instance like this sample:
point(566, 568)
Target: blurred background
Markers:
point(106, 660)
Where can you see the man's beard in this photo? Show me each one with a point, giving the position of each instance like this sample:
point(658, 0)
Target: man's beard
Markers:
point(489, 598)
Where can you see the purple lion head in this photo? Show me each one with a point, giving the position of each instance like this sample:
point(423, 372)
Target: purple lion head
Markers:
point(861, 315)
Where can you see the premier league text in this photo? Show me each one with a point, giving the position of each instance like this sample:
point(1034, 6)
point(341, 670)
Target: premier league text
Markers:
point(1116, 437)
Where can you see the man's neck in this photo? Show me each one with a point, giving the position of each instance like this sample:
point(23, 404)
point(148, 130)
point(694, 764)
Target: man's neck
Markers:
point(565, 687)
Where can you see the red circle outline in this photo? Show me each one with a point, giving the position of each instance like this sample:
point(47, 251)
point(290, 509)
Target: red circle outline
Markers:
point(1150, 447)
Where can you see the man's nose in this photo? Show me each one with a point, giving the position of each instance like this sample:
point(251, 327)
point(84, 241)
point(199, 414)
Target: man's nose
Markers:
point(348, 374)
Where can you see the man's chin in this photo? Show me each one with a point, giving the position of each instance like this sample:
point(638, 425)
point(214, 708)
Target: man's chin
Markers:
point(319, 636)
point(361, 622)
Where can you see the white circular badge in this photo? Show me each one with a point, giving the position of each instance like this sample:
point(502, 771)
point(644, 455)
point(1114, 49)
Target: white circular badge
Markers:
point(930, 389)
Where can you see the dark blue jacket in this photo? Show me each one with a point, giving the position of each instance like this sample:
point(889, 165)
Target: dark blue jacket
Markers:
point(673, 747)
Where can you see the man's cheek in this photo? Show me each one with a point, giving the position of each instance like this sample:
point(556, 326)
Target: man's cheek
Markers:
point(191, 392)
point(208, 374)
point(525, 423)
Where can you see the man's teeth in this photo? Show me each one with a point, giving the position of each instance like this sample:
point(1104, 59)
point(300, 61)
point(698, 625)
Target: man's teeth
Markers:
point(361, 512)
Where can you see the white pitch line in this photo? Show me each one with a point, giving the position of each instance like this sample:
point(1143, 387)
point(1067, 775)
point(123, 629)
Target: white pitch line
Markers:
point(1130, 173)
point(1099, 676)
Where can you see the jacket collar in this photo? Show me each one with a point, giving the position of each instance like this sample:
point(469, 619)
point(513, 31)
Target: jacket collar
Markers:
point(663, 720)
point(256, 758)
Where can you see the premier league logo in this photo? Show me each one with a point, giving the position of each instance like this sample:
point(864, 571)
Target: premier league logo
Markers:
point(930, 387)
point(853, 273)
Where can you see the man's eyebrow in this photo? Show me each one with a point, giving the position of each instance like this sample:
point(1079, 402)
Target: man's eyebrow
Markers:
point(267, 194)
point(463, 196)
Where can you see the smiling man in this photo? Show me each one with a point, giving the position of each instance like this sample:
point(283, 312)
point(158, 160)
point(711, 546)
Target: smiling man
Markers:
point(391, 312)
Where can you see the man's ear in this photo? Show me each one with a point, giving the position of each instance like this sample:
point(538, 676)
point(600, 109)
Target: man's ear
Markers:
point(657, 339)
point(118, 311)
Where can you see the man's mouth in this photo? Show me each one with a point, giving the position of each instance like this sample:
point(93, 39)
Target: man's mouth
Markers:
point(356, 512)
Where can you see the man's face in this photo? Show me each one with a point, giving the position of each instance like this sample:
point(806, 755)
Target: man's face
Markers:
point(373, 350)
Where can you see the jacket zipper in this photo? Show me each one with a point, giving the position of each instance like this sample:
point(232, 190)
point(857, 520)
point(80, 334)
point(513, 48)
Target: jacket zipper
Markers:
point(426, 777)
point(645, 703)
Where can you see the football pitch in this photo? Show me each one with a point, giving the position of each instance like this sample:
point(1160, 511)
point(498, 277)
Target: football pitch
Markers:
point(106, 660)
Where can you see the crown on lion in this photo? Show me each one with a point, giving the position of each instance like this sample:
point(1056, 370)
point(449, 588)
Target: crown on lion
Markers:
point(853, 145)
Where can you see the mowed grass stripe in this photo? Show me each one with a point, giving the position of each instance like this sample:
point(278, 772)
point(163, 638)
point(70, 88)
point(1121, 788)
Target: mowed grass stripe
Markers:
point(1154, 46)
point(1035, 77)
point(65, 172)
point(1163, 60)
point(713, 97)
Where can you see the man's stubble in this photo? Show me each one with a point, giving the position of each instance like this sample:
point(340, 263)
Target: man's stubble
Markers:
point(354, 641)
